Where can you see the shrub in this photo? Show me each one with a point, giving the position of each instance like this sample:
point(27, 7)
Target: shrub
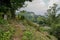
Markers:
point(56, 31)
point(6, 31)
point(27, 35)
point(44, 29)
point(2, 21)
point(6, 34)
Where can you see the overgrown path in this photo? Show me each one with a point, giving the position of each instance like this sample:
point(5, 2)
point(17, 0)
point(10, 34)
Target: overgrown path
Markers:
point(37, 35)
point(19, 28)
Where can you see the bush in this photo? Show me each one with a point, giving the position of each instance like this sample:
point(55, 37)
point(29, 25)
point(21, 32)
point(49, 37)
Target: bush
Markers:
point(6, 34)
point(44, 29)
point(6, 31)
point(56, 31)
point(27, 35)
point(2, 21)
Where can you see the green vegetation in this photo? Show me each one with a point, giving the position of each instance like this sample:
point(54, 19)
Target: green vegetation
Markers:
point(26, 25)
point(27, 35)
point(32, 34)
point(6, 30)
point(10, 6)
point(49, 23)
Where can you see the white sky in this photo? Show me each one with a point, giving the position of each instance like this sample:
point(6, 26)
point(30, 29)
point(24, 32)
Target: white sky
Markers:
point(39, 6)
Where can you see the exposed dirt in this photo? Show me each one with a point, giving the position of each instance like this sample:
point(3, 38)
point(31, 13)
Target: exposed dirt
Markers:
point(19, 28)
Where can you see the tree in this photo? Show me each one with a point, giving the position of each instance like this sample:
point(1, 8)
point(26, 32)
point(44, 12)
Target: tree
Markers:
point(11, 5)
point(51, 15)
point(53, 20)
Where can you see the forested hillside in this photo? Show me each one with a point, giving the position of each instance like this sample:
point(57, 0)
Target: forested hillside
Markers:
point(27, 25)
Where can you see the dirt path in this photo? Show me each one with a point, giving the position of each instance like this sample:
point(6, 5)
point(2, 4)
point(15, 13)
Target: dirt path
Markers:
point(19, 27)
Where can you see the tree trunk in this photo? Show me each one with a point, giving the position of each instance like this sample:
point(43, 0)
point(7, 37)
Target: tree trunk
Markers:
point(13, 14)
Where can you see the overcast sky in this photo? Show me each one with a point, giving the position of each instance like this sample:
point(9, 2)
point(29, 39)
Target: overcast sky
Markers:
point(39, 6)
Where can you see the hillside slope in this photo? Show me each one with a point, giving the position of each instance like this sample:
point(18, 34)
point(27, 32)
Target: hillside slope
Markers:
point(28, 32)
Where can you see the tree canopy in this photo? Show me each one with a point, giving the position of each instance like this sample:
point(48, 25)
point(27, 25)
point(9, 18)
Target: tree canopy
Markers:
point(11, 5)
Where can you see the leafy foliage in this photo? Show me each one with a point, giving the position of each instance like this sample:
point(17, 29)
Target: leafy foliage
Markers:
point(6, 31)
point(53, 21)
point(11, 6)
point(32, 34)
point(2, 21)
point(27, 35)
